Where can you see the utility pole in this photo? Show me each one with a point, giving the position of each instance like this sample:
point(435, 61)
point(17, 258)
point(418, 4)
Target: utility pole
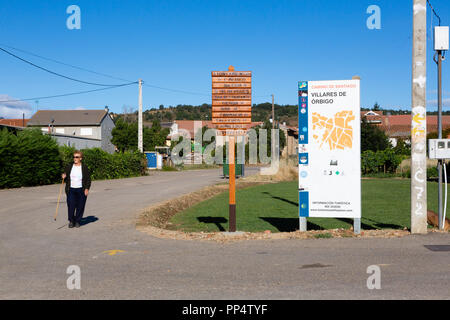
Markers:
point(140, 138)
point(441, 39)
point(418, 121)
point(273, 112)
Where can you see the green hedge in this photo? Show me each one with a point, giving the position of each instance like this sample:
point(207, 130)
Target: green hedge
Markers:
point(27, 159)
point(384, 161)
point(103, 165)
point(31, 158)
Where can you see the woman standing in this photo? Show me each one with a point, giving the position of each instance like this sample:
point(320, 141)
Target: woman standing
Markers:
point(78, 183)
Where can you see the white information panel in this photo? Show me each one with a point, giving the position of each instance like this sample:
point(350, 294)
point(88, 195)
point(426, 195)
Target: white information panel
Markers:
point(329, 149)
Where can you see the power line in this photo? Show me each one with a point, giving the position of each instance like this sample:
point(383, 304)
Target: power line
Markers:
point(70, 94)
point(64, 64)
point(176, 90)
point(428, 1)
point(97, 73)
point(55, 73)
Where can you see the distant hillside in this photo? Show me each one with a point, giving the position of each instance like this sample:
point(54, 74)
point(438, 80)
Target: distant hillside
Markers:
point(260, 112)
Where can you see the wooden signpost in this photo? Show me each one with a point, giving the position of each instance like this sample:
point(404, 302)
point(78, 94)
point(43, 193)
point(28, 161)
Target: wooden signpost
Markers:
point(231, 112)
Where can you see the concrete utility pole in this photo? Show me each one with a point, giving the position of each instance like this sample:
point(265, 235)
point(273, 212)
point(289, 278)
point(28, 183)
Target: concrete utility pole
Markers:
point(140, 138)
point(273, 112)
point(418, 121)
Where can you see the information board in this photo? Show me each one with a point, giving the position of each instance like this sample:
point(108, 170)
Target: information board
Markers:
point(329, 149)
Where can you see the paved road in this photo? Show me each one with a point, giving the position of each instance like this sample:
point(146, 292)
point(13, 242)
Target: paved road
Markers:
point(35, 253)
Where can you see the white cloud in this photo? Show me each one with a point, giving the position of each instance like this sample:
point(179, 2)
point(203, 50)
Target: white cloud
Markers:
point(445, 102)
point(80, 108)
point(14, 109)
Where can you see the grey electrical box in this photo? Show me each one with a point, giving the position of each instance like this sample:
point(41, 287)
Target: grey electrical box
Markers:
point(441, 38)
point(439, 148)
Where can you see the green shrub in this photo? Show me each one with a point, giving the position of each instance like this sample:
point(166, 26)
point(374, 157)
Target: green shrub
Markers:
point(432, 172)
point(167, 168)
point(103, 165)
point(28, 159)
point(31, 158)
point(384, 161)
point(66, 155)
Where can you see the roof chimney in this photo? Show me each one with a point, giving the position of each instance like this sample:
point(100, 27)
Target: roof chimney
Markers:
point(107, 109)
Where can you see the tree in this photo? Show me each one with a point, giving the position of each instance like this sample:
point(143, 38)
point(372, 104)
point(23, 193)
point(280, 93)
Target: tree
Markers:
point(267, 126)
point(125, 135)
point(376, 107)
point(402, 148)
point(155, 136)
point(373, 138)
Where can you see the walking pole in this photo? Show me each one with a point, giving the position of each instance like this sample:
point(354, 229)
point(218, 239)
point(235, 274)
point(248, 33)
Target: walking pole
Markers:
point(59, 197)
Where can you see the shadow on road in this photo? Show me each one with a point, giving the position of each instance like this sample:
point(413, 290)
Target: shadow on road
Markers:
point(216, 220)
point(87, 220)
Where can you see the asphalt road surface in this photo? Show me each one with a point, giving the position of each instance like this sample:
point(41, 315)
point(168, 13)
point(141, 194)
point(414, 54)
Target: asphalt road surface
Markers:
point(35, 253)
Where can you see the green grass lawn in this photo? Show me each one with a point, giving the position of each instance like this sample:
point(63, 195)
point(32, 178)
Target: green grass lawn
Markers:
point(274, 207)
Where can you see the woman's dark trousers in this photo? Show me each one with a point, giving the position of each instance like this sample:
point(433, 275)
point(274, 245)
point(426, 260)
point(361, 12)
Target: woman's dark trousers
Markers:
point(76, 200)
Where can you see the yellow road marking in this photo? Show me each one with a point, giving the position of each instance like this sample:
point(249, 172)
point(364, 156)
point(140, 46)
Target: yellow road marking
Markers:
point(113, 252)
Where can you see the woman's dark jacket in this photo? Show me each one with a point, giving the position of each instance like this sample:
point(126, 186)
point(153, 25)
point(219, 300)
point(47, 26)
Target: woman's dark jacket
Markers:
point(86, 180)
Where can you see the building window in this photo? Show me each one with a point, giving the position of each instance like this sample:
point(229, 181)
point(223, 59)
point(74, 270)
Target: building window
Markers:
point(60, 130)
point(86, 132)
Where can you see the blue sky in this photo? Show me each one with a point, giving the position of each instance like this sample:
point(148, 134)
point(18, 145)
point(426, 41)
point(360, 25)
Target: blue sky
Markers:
point(176, 44)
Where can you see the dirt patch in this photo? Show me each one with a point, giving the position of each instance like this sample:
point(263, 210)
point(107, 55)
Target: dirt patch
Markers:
point(267, 235)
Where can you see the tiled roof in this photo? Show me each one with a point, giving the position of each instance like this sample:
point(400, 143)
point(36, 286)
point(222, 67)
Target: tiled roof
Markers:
point(400, 125)
point(14, 122)
point(67, 117)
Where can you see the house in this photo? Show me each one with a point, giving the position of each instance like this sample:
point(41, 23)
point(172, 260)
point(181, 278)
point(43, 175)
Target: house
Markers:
point(82, 129)
point(399, 126)
point(291, 134)
point(192, 126)
point(372, 117)
point(20, 123)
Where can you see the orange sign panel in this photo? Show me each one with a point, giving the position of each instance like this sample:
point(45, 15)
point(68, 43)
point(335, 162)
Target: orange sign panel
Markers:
point(232, 132)
point(232, 79)
point(232, 114)
point(231, 85)
point(231, 73)
point(231, 120)
point(232, 100)
point(232, 126)
point(231, 109)
point(231, 103)
point(231, 91)
point(232, 97)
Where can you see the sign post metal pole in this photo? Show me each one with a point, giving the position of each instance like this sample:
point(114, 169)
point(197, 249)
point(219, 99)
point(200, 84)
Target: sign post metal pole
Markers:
point(231, 114)
point(232, 174)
